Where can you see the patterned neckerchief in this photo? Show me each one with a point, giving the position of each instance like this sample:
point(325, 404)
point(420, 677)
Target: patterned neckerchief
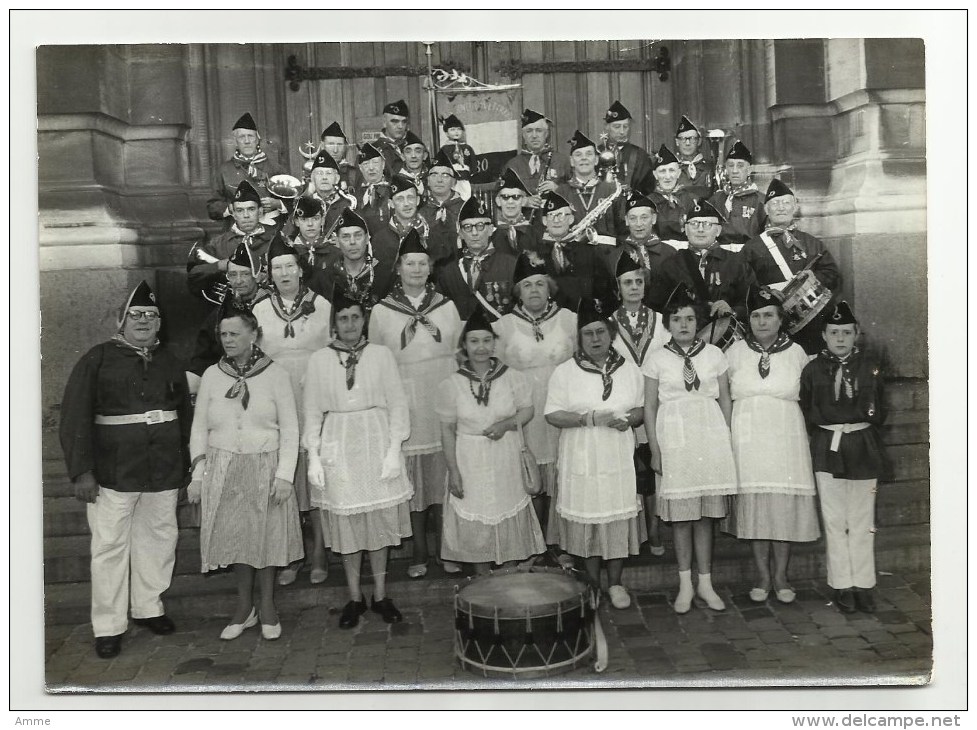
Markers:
point(397, 301)
point(353, 355)
point(611, 365)
point(496, 368)
point(303, 306)
point(782, 343)
point(551, 311)
point(638, 338)
point(689, 374)
point(845, 379)
point(257, 363)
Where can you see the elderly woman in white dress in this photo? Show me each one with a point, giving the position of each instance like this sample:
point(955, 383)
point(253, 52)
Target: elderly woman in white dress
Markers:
point(421, 327)
point(775, 505)
point(488, 516)
point(596, 399)
point(244, 445)
point(294, 323)
point(356, 420)
point(535, 337)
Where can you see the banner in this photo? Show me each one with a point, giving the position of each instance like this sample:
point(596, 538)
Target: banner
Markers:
point(491, 119)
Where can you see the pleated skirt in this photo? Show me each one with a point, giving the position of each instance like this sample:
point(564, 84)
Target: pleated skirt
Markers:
point(373, 530)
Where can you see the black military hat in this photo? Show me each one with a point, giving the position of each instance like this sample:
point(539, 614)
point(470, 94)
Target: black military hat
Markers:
point(333, 130)
point(841, 314)
point(411, 138)
point(637, 200)
point(579, 140)
point(681, 296)
point(140, 296)
point(245, 122)
point(740, 151)
point(367, 152)
point(474, 207)
point(242, 256)
point(451, 122)
point(349, 219)
point(400, 183)
point(341, 299)
point(554, 201)
point(664, 156)
point(280, 247)
point(324, 159)
point(530, 117)
point(616, 113)
point(480, 321)
point(626, 263)
point(442, 160)
point(776, 189)
point(592, 309)
point(510, 179)
point(397, 108)
point(686, 125)
point(529, 263)
point(702, 208)
point(246, 193)
point(411, 243)
point(759, 297)
point(308, 207)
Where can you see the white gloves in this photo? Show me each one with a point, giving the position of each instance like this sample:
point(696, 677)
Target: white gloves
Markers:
point(315, 472)
point(193, 491)
point(391, 463)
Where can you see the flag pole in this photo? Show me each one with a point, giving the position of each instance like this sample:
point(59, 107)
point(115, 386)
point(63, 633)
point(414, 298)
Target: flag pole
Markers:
point(432, 103)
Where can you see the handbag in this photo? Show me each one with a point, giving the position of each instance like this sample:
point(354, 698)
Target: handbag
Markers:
point(532, 482)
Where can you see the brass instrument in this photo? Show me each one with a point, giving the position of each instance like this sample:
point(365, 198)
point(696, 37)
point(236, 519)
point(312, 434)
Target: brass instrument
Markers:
point(217, 290)
point(717, 147)
point(285, 187)
point(588, 220)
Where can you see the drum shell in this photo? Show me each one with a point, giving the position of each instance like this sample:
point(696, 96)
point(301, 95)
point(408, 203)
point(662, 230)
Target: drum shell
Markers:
point(804, 298)
point(723, 332)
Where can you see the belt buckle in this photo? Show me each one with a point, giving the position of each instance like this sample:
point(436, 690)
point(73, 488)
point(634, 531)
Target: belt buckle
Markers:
point(154, 417)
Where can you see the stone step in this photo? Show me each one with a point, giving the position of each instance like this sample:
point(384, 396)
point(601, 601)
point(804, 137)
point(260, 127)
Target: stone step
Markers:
point(901, 550)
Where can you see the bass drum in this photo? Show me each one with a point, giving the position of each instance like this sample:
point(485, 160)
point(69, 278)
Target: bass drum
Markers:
point(524, 623)
point(723, 332)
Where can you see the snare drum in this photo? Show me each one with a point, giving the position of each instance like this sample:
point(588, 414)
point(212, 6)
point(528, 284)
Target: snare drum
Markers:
point(723, 332)
point(517, 623)
point(804, 298)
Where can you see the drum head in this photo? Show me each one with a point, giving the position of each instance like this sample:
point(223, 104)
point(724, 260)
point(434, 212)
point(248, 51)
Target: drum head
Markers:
point(515, 594)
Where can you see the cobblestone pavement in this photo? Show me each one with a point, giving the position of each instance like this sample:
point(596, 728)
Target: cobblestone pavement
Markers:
point(807, 642)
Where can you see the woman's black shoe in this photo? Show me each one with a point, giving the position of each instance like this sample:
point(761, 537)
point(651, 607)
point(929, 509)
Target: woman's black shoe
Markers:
point(865, 600)
point(351, 614)
point(387, 610)
point(845, 600)
point(108, 646)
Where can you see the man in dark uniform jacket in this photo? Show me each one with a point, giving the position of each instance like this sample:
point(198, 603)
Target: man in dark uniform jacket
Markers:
point(642, 245)
point(441, 204)
point(538, 164)
point(310, 243)
point(325, 189)
point(513, 229)
point(333, 140)
point(672, 202)
point(633, 164)
point(437, 238)
point(363, 273)
point(125, 428)
point(716, 276)
point(696, 176)
point(585, 191)
point(393, 136)
point(207, 263)
point(248, 163)
point(782, 251)
point(415, 161)
point(482, 274)
point(373, 192)
point(743, 205)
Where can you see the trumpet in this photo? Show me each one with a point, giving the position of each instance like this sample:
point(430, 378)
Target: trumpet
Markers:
point(717, 146)
point(285, 187)
point(216, 290)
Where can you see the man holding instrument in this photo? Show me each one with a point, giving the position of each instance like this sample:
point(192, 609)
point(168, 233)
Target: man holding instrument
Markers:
point(587, 192)
point(782, 253)
point(325, 189)
point(633, 164)
point(537, 164)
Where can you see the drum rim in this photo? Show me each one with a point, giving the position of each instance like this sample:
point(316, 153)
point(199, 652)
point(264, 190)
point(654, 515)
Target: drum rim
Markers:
point(508, 613)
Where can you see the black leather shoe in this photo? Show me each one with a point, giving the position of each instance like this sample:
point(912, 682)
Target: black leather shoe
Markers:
point(865, 600)
point(351, 614)
point(108, 646)
point(387, 610)
point(845, 600)
point(161, 625)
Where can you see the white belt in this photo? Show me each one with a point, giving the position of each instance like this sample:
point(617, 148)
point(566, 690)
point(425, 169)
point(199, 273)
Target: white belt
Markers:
point(842, 428)
point(149, 418)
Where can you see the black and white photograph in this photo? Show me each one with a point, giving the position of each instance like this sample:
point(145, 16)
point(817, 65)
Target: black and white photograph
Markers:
point(372, 365)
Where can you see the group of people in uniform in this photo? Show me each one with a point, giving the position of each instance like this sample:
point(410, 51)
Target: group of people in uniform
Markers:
point(391, 351)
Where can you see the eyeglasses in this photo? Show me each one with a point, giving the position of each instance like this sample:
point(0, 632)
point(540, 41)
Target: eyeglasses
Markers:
point(700, 224)
point(511, 196)
point(136, 315)
point(691, 138)
point(560, 214)
point(469, 227)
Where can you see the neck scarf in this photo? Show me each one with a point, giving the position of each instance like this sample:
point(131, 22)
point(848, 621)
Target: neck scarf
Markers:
point(353, 355)
point(782, 236)
point(257, 363)
point(637, 339)
point(496, 368)
point(398, 302)
point(358, 286)
point(779, 345)
point(670, 197)
point(844, 376)
point(550, 312)
point(474, 263)
point(146, 353)
point(689, 374)
point(418, 223)
point(559, 255)
point(250, 162)
point(744, 189)
point(689, 165)
point(535, 159)
point(397, 145)
point(613, 362)
point(302, 307)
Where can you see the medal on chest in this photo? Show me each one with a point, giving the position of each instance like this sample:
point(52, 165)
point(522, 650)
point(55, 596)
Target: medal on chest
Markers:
point(748, 211)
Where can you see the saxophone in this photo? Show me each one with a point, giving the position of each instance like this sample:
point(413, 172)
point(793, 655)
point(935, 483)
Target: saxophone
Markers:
point(588, 220)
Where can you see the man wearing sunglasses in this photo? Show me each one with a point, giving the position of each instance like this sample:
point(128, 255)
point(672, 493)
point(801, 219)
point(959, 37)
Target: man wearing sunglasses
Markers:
point(481, 273)
point(513, 227)
point(125, 426)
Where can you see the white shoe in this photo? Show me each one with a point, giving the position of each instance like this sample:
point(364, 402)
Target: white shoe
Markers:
point(270, 632)
point(232, 631)
point(619, 597)
point(711, 598)
point(451, 567)
point(288, 574)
